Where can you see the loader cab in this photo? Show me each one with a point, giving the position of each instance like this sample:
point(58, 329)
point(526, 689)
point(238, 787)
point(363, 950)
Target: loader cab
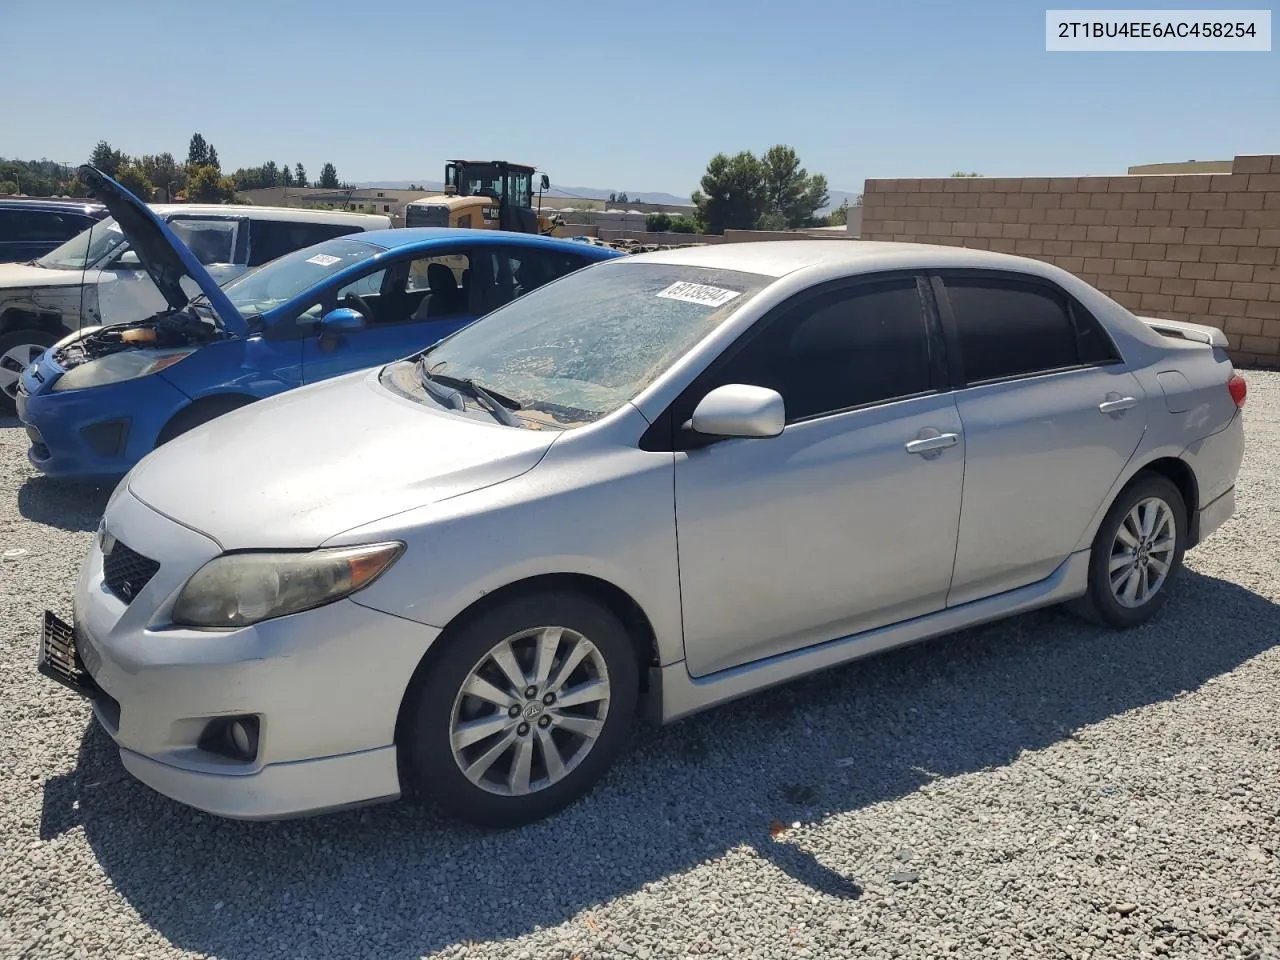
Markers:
point(483, 194)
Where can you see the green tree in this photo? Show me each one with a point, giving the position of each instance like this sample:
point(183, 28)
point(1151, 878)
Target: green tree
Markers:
point(135, 181)
point(164, 172)
point(107, 159)
point(286, 176)
point(683, 224)
point(789, 189)
point(657, 222)
point(329, 177)
point(207, 185)
point(772, 220)
point(840, 215)
point(732, 194)
point(271, 174)
point(197, 151)
point(961, 173)
point(213, 158)
point(622, 198)
point(300, 176)
point(8, 187)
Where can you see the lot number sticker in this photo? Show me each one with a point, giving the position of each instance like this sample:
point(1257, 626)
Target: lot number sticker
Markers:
point(323, 259)
point(699, 293)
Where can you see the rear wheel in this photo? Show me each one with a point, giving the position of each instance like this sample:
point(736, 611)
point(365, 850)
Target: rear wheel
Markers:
point(18, 350)
point(522, 712)
point(1136, 554)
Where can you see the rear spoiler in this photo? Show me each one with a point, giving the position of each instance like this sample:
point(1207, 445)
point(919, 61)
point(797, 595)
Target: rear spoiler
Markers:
point(1198, 332)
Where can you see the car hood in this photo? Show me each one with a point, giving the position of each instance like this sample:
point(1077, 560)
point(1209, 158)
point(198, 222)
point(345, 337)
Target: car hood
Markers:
point(166, 258)
point(299, 468)
point(14, 276)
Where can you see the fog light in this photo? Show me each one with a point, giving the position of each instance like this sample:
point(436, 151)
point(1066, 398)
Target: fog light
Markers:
point(244, 740)
point(235, 738)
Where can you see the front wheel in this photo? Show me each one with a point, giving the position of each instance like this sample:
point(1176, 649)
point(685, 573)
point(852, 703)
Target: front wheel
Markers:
point(1136, 554)
point(522, 712)
point(17, 351)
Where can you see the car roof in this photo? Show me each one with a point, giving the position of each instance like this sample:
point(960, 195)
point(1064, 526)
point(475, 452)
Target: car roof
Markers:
point(284, 214)
point(87, 207)
point(396, 237)
point(777, 258)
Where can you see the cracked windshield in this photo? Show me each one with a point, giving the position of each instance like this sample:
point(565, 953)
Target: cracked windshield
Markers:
point(578, 349)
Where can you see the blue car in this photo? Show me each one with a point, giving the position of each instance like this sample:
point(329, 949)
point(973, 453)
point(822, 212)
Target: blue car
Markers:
point(98, 401)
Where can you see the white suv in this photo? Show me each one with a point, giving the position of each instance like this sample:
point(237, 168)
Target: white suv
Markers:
point(95, 278)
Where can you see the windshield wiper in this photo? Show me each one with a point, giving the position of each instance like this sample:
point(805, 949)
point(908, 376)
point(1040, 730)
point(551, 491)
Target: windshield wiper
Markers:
point(497, 404)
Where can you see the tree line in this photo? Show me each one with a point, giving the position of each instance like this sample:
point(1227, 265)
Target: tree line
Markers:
point(199, 179)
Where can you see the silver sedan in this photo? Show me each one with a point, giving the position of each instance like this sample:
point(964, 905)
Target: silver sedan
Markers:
point(647, 488)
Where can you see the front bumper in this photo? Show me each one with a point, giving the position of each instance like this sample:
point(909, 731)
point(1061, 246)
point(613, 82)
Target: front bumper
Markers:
point(98, 432)
point(325, 686)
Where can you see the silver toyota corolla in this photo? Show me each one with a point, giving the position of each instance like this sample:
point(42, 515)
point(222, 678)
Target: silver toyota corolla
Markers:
point(649, 487)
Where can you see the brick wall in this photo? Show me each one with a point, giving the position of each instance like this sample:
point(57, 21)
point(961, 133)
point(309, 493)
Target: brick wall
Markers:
point(1198, 247)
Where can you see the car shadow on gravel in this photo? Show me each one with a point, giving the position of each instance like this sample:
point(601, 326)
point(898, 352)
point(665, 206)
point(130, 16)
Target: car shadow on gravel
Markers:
point(65, 504)
point(403, 882)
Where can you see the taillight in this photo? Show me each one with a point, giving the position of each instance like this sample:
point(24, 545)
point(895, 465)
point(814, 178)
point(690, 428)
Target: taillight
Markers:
point(1239, 389)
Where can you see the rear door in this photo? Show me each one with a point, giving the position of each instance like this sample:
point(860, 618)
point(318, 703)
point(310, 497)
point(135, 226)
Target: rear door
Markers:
point(1051, 417)
point(27, 234)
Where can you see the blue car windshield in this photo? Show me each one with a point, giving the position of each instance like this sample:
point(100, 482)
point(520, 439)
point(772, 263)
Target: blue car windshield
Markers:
point(284, 278)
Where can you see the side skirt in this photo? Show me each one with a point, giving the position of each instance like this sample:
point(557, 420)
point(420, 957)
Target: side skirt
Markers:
point(673, 693)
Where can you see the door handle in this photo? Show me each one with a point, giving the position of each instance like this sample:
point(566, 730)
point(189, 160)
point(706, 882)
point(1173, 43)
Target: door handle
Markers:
point(930, 444)
point(1117, 406)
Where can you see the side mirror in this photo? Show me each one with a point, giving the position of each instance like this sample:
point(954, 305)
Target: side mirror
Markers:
point(739, 410)
point(340, 319)
point(128, 259)
point(546, 182)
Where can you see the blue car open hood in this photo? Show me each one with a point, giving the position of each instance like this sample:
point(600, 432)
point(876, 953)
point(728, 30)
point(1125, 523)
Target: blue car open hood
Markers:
point(166, 258)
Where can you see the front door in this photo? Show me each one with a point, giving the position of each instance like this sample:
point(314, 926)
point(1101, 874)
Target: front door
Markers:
point(408, 306)
point(842, 523)
point(1051, 417)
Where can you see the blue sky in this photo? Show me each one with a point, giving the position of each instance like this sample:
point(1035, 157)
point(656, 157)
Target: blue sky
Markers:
point(621, 95)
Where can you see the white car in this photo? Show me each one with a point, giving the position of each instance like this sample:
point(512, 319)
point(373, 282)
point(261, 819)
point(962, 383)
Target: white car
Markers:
point(96, 279)
point(662, 481)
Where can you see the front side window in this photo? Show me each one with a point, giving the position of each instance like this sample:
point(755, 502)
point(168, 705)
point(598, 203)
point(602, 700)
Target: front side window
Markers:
point(438, 286)
point(1010, 328)
point(573, 351)
point(212, 241)
point(848, 348)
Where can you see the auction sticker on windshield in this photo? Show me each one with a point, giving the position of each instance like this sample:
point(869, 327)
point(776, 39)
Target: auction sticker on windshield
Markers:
point(701, 293)
point(323, 260)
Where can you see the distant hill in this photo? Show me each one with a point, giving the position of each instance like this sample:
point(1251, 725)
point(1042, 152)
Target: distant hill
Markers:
point(585, 193)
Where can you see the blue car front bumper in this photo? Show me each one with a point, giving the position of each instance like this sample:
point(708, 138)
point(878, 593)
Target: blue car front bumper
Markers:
point(99, 432)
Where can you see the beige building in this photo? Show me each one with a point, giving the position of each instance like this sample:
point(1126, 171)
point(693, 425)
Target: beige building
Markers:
point(1202, 247)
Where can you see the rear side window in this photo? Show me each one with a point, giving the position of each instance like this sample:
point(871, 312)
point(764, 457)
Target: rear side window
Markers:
point(849, 348)
point(1011, 329)
point(269, 239)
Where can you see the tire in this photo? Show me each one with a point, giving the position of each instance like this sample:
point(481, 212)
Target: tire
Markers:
point(1127, 607)
point(436, 706)
point(200, 412)
point(17, 349)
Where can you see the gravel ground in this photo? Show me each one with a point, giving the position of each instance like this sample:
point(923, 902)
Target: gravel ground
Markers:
point(1039, 788)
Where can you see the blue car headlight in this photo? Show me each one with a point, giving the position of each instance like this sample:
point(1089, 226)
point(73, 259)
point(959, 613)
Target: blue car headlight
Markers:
point(116, 367)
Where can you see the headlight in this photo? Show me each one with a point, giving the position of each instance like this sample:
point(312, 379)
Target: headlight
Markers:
point(116, 367)
point(237, 589)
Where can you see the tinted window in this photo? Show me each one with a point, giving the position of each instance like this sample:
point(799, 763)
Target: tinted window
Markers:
point(853, 347)
point(1009, 329)
point(515, 272)
point(43, 226)
point(269, 239)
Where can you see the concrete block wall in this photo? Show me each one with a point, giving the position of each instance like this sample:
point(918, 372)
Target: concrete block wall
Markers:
point(1198, 247)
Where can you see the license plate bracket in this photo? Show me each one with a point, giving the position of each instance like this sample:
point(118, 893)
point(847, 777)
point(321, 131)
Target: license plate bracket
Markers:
point(60, 660)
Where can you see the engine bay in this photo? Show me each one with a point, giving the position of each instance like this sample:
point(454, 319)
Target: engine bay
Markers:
point(178, 328)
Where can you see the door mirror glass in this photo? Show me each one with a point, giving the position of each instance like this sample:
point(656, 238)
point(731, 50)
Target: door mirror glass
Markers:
point(739, 410)
point(341, 319)
point(545, 182)
point(128, 260)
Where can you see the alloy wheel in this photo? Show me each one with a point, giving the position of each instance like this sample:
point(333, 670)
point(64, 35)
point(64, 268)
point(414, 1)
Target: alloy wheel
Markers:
point(530, 711)
point(1142, 552)
point(12, 362)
